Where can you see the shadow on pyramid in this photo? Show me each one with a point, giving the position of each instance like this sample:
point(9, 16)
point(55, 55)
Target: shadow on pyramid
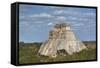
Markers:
point(61, 40)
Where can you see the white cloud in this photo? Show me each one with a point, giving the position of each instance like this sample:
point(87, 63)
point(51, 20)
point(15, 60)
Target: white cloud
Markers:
point(54, 7)
point(42, 15)
point(78, 24)
point(24, 23)
point(90, 14)
point(58, 11)
point(22, 17)
point(50, 23)
point(73, 18)
point(65, 12)
point(75, 13)
point(38, 22)
point(61, 18)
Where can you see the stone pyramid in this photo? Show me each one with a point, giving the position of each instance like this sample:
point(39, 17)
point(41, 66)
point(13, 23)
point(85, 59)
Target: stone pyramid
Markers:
point(61, 38)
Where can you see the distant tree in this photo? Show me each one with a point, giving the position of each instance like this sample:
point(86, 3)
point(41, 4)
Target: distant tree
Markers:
point(21, 43)
point(37, 43)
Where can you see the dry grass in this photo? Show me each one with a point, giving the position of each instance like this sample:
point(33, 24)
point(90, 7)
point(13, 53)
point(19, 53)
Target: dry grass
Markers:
point(28, 54)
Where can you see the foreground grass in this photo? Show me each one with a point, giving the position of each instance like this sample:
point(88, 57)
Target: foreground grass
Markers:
point(28, 54)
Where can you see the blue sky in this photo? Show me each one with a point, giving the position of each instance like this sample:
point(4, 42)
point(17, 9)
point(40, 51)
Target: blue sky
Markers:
point(36, 21)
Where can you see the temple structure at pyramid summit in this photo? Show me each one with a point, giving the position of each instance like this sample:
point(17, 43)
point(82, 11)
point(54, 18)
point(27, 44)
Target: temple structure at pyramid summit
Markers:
point(62, 41)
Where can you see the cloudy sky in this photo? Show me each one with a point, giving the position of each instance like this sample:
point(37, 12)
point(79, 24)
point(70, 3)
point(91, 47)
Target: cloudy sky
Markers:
point(36, 21)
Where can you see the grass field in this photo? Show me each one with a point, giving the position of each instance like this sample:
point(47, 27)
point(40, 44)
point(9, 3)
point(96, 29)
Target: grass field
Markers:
point(28, 54)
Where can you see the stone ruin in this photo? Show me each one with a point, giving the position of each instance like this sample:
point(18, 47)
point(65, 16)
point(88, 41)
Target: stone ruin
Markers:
point(62, 41)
